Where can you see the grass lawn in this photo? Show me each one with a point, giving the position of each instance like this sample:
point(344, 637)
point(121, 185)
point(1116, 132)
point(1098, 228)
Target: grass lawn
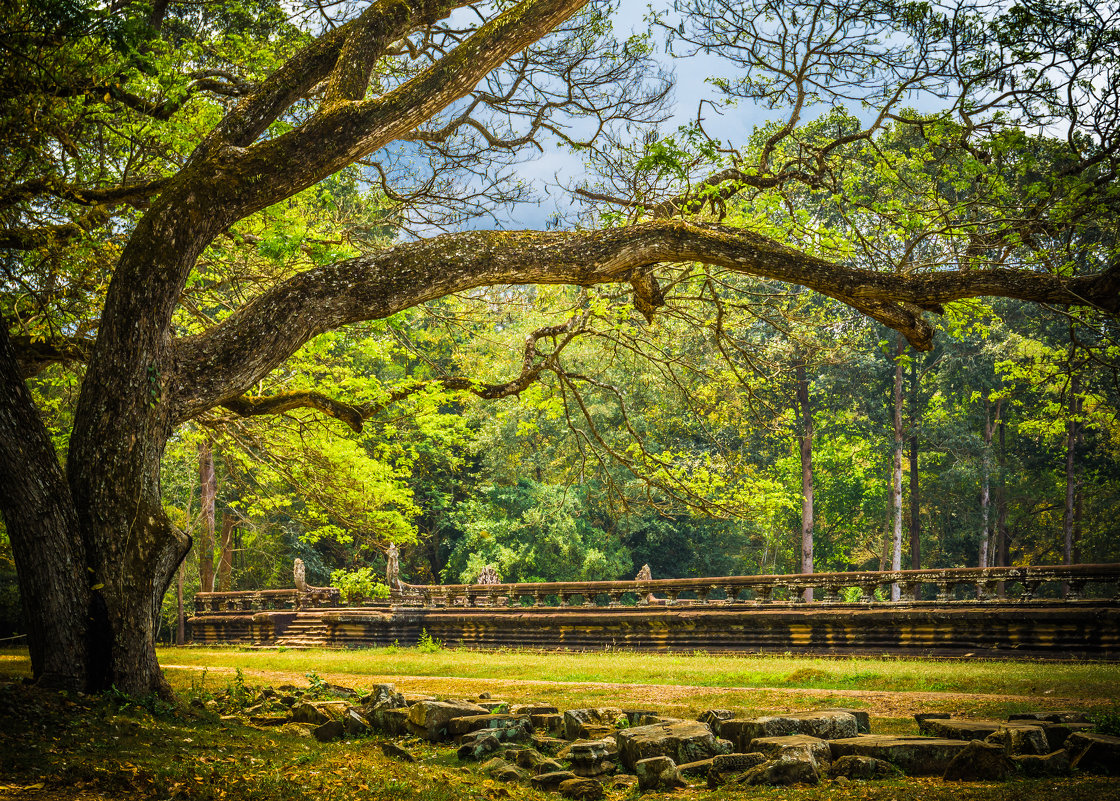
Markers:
point(112, 747)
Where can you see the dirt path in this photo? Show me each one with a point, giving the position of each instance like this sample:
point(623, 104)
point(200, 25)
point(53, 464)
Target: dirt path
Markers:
point(883, 703)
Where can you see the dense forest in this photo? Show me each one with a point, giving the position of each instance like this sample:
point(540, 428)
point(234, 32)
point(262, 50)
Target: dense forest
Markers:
point(879, 332)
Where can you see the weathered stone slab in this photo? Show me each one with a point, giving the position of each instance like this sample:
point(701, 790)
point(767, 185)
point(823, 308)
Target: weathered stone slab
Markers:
point(825, 725)
point(1054, 764)
point(916, 756)
point(967, 728)
point(1019, 739)
point(318, 712)
point(862, 767)
point(696, 769)
point(393, 721)
point(658, 773)
point(862, 716)
point(786, 769)
point(979, 761)
point(725, 766)
point(584, 723)
point(683, 741)
point(469, 723)
point(1056, 733)
point(533, 709)
point(581, 789)
point(799, 746)
point(430, 719)
point(1094, 753)
point(550, 722)
point(551, 781)
point(1061, 716)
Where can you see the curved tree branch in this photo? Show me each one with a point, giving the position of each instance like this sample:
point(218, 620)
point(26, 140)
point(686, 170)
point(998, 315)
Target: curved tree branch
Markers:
point(218, 366)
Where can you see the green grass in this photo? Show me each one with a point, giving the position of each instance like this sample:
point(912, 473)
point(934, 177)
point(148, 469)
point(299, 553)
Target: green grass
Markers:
point(59, 748)
point(1062, 680)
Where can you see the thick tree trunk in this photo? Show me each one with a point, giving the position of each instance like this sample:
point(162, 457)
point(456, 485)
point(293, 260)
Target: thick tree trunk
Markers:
point(1002, 555)
point(225, 559)
point(806, 447)
point(915, 522)
point(56, 590)
point(896, 467)
point(1072, 478)
point(208, 491)
point(986, 482)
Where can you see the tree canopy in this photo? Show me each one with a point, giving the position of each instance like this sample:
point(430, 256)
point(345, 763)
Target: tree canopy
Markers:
point(200, 200)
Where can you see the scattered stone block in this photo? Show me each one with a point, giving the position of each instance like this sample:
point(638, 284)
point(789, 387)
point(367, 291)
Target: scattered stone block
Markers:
point(622, 781)
point(683, 741)
point(1048, 765)
point(355, 724)
point(318, 712)
point(979, 761)
point(916, 756)
point(430, 719)
point(549, 782)
point(511, 775)
point(331, 730)
point(457, 727)
point(392, 721)
point(800, 746)
point(548, 745)
point(581, 789)
point(584, 723)
point(862, 767)
point(786, 769)
point(658, 773)
point(382, 696)
point(478, 745)
point(533, 709)
point(712, 718)
point(693, 770)
point(548, 722)
point(1019, 740)
point(825, 725)
point(1094, 753)
point(862, 716)
point(724, 766)
point(394, 751)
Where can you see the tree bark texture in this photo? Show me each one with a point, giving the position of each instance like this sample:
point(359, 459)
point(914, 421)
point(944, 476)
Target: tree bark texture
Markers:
point(915, 520)
point(208, 491)
point(1072, 477)
point(805, 442)
point(896, 465)
point(225, 559)
point(57, 593)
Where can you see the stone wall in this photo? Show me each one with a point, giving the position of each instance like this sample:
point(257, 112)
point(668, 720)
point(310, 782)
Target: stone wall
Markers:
point(1086, 630)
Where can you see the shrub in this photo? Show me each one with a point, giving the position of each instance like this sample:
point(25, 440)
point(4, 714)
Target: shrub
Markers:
point(359, 585)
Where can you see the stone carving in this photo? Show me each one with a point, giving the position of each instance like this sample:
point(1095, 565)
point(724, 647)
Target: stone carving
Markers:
point(645, 574)
point(488, 576)
point(393, 568)
point(307, 593)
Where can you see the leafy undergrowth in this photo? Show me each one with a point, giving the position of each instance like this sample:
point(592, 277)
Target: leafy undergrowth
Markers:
point(91, 748)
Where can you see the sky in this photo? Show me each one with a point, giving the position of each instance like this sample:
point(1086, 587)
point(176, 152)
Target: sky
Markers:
point(554, 169)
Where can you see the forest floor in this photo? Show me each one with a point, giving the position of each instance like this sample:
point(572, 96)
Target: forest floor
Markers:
point(83, 748)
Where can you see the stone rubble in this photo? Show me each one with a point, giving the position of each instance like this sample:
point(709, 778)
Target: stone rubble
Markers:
point(581, 753)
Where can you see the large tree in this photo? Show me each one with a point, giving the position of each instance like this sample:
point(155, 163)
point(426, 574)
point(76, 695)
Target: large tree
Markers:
point(94, 549)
